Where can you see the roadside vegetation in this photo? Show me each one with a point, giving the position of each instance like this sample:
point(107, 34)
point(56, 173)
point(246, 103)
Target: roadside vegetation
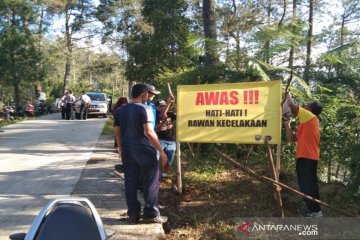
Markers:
point(108, 128)
point(216, 194)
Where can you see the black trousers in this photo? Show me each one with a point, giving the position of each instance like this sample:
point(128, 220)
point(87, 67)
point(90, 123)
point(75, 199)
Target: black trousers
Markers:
point(306, 170)
point(68, 111)
point(63, 112)
point(141, 163)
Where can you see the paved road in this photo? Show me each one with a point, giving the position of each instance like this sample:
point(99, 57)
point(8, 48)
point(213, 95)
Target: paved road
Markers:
point(41, 159)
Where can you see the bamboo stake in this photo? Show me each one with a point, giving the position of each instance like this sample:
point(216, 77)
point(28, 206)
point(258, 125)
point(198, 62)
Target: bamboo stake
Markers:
point(267, 179)
point(178, 168)
point(169, 89)
point(191, 150)
point(277, 188)
point(278, 160)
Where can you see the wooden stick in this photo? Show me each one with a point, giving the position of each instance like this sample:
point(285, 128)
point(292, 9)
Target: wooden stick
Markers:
point(178, 168)
point(191, 150)
point(278, 160)
point(267, 179)
point(277, 188)
point(169, 89)
point(287, 86)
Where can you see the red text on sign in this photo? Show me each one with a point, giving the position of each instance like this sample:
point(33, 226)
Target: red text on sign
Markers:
point(251, 97)
point(217, 98)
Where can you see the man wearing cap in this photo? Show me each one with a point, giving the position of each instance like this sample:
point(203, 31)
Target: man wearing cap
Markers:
point(151, 96)
point(138, 142)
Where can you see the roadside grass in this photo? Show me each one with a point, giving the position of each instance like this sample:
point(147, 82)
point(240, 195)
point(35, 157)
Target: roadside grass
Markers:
point(108, 128)
point(215, 195)
point(4, 123)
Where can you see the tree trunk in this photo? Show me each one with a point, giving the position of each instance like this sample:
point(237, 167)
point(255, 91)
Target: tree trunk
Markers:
point(17, 93)
point(131, 84)
point(266, 56)
point(293, 21)
point(67, 73)
point(337, 171)
point(38, 64)
point(197, 151)
point(69, 50)
point(211, 56)
point(284, 13)
point(309, 41)
point(329, 172)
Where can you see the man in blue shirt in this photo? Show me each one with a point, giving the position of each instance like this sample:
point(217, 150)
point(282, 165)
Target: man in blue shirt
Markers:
point(151, 95)
point(138, 143)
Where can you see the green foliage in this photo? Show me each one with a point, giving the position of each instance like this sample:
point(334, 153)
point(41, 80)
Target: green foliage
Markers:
point(354, 178)
point(166, 45)
point(19, 56)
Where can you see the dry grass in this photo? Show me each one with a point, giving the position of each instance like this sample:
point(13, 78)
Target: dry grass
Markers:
point(215, 195)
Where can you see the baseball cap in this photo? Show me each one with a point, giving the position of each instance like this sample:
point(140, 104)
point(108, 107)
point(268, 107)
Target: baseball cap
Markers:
point(160, 103)
point(152, 89)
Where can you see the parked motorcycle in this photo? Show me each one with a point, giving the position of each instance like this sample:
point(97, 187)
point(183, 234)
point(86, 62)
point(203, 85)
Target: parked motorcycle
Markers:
point(29, 111)
point(8, 113)
point(40, 108)
point(66, 218)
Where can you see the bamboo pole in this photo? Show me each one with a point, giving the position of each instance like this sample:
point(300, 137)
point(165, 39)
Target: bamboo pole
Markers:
point(267, 179)
point(191, 150)
point(277, 192)
point(178, 169)
point(278, 160)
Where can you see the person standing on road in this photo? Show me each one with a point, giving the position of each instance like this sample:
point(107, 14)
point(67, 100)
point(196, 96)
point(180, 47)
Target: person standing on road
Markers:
point(138, 143)
point(307, 150)
point(151, 95)
point(120, 102)
point(69, 101)
point(85, 104)
point(110, 110)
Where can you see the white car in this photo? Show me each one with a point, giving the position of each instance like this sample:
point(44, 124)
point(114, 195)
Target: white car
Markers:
point(98, 106)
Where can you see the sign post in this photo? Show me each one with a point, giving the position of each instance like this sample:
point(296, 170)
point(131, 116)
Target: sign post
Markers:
point(242, 113)
point(178, 168)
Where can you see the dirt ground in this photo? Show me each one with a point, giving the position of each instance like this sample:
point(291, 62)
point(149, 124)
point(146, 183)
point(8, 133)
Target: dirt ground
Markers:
point(214, 196)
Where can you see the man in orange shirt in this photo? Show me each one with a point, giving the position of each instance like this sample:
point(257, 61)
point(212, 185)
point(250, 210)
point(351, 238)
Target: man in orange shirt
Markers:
point(307, 150)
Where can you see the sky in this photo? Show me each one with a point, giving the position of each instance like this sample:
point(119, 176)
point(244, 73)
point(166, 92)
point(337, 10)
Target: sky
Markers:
point(322, 21)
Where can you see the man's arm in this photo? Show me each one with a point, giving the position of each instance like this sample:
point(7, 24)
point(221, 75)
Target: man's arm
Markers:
point(160, 124)
point(153, 139)
point(170, 100)
point(294, 109)
point(289, 132)
point(294, 106)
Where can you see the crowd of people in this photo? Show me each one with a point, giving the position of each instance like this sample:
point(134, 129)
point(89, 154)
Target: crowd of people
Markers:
point(66, 104)
point(144, 137)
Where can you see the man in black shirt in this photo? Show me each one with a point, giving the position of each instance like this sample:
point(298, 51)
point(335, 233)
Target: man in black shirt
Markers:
point(138, 143)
